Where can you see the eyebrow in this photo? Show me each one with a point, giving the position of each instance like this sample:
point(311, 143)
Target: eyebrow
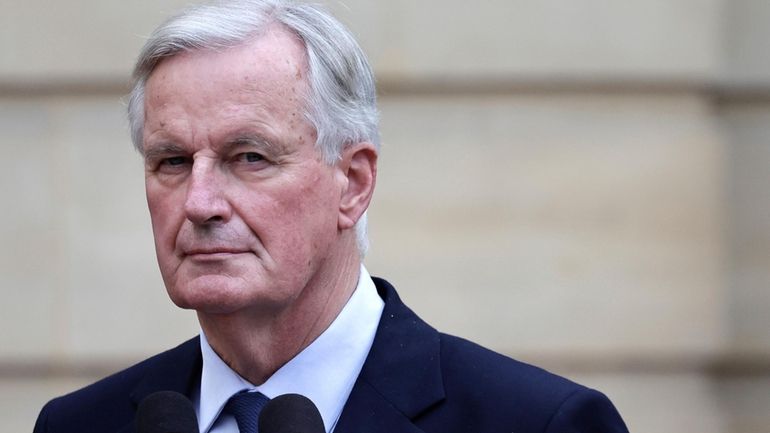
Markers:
point(161, 150)
point(271, 146)
point(169, 148)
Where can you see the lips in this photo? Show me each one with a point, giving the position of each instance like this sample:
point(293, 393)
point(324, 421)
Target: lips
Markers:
point(213, 251)
point(213, 254)
point(195, 242)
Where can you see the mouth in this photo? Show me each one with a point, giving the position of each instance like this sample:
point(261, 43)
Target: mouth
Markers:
point(215, 254)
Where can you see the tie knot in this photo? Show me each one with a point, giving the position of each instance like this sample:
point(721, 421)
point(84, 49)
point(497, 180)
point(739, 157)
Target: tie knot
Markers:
point(245, 408)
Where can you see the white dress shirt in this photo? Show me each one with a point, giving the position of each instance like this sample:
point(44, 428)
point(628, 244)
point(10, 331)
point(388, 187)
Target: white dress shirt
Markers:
point(324, 372)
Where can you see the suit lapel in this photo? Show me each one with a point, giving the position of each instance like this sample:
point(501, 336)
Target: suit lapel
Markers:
point(401, 377)
point(175, 370)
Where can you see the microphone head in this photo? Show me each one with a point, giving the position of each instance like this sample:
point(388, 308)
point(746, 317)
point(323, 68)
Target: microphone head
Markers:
point(290, 413)
point(166, 412)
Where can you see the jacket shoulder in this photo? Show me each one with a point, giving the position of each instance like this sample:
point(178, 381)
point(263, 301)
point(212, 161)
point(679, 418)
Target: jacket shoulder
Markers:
point(109, 404)
point(468, 365)
point(492, 392)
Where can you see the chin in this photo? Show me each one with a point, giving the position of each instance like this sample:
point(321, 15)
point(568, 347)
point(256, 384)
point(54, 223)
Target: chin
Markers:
point(218, 294)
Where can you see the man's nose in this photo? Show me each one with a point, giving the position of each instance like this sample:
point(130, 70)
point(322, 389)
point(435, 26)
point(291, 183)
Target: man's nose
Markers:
point(206, 200)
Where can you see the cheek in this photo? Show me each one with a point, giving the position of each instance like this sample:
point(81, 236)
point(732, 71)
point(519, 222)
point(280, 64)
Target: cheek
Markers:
point(165, 218)
point(294, 220)
point(317, 206)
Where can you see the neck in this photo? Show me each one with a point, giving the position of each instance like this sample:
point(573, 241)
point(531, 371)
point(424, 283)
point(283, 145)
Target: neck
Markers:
point(257, 345)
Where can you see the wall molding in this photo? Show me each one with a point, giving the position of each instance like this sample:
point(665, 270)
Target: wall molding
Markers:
point(389, 86)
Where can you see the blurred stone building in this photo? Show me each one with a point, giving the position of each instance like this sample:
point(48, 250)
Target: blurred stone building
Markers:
point(584, 185)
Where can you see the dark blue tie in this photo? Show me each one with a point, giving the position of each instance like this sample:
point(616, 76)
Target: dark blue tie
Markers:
point(245, 408)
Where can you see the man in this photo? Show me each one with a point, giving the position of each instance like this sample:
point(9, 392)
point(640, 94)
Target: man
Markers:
point(257, 122)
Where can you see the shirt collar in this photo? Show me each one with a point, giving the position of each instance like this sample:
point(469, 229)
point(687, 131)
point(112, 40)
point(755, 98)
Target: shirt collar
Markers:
point(325, 371)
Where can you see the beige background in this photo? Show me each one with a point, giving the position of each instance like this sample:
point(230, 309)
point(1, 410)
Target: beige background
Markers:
point(578, 184)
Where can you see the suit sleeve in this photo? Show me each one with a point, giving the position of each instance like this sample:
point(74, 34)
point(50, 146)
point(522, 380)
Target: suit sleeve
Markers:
point(586, 411)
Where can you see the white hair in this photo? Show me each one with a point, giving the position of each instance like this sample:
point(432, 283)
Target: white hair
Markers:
point(342, 104)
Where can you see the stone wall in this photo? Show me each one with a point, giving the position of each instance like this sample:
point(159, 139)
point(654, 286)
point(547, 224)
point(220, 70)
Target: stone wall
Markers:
point(582, 185)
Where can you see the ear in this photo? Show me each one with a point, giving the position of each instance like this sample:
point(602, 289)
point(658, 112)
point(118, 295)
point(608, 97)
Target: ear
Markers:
point(358, 167)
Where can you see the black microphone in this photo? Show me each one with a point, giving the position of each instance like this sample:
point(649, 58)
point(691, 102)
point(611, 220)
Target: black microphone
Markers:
point(290, 413)
point(166, 412)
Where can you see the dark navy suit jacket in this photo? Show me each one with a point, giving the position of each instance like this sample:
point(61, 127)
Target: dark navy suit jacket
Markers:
point(414, 380)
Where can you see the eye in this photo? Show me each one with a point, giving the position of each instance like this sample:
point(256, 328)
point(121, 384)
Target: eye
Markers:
point(174, 161)
point(250, 157)
point(172, 164)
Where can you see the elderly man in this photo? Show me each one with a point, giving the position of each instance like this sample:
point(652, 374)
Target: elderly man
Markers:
point(258, 126)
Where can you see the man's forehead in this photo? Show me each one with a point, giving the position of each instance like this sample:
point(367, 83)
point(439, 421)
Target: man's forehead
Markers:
point(256, 89)
point(273, 55)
